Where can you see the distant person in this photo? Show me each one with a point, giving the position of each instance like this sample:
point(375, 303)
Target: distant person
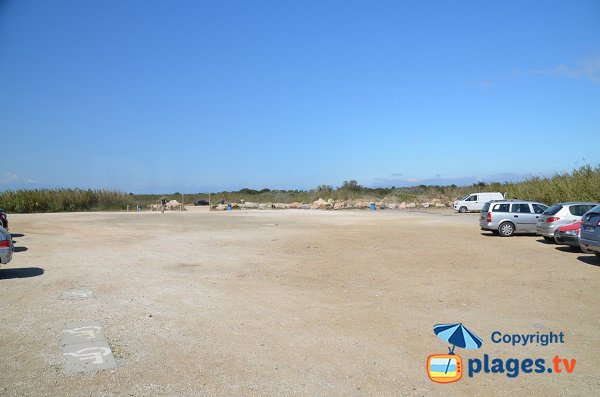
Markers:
point(163, 205)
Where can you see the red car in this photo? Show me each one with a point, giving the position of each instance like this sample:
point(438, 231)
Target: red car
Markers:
point(568, 234)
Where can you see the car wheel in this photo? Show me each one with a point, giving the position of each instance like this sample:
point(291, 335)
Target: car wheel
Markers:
point(462, 210)
point(557, 239)
point(506, 229)
point(548, 239)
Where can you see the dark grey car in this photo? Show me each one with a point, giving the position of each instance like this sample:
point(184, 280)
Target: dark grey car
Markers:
point(589, 237)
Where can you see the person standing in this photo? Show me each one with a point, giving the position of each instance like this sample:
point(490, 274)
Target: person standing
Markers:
point(163, 205)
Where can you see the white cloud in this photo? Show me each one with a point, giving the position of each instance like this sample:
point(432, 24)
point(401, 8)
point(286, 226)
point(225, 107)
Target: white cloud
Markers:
point(588, 69)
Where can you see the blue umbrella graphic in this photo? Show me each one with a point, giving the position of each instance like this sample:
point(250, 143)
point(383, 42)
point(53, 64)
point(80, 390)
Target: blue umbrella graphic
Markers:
point(457, 335)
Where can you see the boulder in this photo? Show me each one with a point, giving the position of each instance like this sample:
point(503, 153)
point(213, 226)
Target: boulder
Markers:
point(440, 205)
point(248, 204)
point(363, 204)
point(339, 205)
point(221, 207)
point(411, 205)
point(319, 204)
point(402, 205)
point(305, 206)
point(391, 206)
point(296, 205)
point(282, 206)
point(426, 205)
point(435, 201)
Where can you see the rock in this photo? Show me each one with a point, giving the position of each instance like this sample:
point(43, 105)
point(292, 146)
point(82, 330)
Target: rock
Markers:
point(425, 205)
point(221, 207)
point(435, 201)
point(363, 204)
point(450, 204)
point(411, 205)
point(264, 206)
point(392, 206)
point(339, 205)
point(305, 206)
point(319, 204)
point(296, 205)
point(440, 205)
point(402, 205)
point(249, 205)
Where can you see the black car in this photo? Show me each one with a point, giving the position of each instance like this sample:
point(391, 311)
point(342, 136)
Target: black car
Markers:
point(201, 202)
point(3, 219)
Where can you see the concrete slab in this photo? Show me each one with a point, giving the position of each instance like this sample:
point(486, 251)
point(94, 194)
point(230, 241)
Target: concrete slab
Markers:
point(77, 294)
point(88, 357)
point(82, 333)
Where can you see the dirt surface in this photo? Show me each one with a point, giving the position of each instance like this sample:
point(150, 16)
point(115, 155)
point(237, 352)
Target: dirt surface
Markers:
point(289, 302)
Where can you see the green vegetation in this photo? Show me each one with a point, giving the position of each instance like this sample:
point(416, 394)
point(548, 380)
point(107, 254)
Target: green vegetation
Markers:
point(582, 184)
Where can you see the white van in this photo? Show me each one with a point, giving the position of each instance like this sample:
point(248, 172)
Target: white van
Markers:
point(475, 201)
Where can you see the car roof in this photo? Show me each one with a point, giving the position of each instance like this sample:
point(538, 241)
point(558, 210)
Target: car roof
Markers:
point(515, 201)
point(577, 202)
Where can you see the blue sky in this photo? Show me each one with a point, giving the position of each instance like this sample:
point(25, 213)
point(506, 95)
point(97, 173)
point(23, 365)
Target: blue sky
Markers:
point(155, 96)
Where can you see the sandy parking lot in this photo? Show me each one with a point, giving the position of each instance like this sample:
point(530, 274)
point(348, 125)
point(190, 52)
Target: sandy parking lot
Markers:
point(288, 303)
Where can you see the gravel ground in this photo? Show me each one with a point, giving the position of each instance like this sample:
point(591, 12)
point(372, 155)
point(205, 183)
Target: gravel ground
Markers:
point(288, 302)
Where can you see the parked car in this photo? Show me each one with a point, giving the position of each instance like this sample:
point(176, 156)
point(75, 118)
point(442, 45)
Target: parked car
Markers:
point(3, 219)
point(507, 217)
point(560, 214)
point(589, 237)
point(568, 234)
point(201, 202)
point(476, 201)
point(6, 246)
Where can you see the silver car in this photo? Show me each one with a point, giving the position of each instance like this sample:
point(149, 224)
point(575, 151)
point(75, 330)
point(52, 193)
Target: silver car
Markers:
point(507, 217)
point(6, 246)
point(560, 214)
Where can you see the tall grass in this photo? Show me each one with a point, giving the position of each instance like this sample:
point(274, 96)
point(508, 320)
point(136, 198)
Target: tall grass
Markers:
point(582, 184)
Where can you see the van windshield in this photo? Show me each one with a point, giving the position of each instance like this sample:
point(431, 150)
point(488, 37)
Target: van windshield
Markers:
point(464, 198)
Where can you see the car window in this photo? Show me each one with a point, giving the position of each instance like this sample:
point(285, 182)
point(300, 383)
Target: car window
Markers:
point(486, 207)
point(553, 210)
point(521, 208)
point(500, 207)
point(580, 209)
point(539, 209)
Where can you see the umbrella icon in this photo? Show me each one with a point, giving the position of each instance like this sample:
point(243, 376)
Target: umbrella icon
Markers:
point(457, 335)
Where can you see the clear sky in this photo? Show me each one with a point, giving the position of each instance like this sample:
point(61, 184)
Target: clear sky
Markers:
point(161, 96)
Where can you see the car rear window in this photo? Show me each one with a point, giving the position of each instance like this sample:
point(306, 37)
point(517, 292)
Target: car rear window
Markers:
point(539, 209)
point(580, 209)
point(486, 207)
point(553, 210)
point(500, 207)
